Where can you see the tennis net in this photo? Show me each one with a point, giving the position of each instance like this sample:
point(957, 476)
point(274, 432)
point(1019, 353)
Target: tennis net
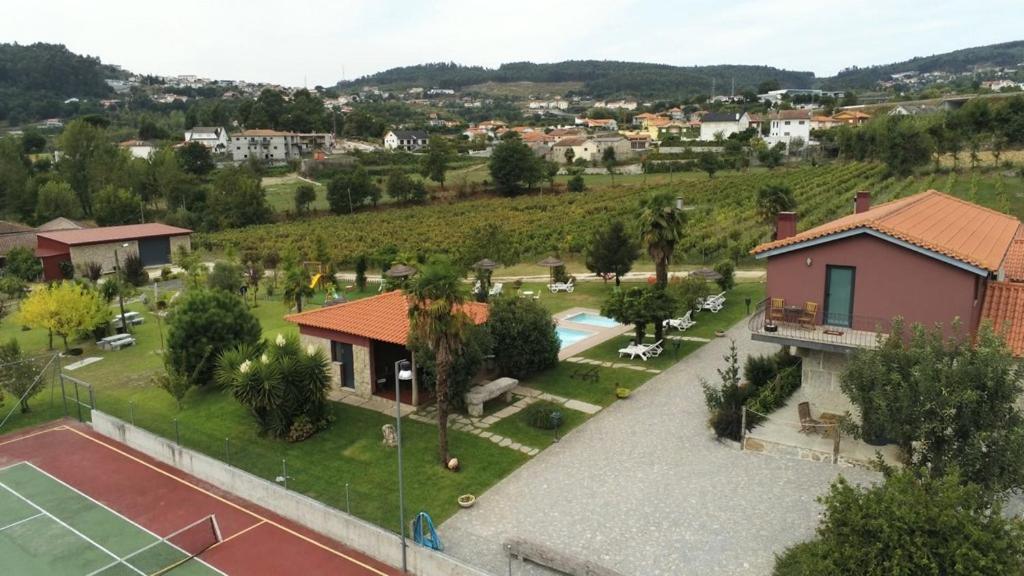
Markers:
point(168, 553)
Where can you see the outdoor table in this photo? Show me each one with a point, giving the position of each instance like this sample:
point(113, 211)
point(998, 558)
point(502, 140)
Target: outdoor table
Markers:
point(792, 313)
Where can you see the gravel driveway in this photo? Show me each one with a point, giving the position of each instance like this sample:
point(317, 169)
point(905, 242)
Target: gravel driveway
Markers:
point(644, 488)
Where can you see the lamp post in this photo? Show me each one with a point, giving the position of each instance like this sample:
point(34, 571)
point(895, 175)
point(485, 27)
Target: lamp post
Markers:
point(120, 288)
point(403, 372)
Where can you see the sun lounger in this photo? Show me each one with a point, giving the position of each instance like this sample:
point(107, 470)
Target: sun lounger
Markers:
point(634, 350)
point(495, 289)
point(681, 324)
point(567, 287)
point(712, 303)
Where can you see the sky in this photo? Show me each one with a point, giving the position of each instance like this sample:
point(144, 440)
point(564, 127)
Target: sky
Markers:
point(301, 42)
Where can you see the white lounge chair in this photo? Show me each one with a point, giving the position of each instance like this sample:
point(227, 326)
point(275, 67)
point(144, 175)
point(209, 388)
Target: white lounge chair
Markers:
point(495, 289)
point(681, 324)
point(567, 287)
point(634, 350)
point(654, 350)
point(712, 303)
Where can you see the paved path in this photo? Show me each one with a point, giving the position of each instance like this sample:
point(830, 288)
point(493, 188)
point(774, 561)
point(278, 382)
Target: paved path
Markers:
point(644, 488)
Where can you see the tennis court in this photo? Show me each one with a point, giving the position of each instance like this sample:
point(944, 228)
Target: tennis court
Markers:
point(77, 504)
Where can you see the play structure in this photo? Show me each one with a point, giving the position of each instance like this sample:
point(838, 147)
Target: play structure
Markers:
point(423, 532)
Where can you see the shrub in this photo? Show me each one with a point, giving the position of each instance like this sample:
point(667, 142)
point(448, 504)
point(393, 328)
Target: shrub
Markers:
point(576, 184)
point(759, 370)
point(544, 415)
point(202, 325)
point(91, 270)
point(226, 276)
point(165, 273)
point(725, 402)
point(728, 271)
point(524, 337)
point(361, 265)
point(133, 270)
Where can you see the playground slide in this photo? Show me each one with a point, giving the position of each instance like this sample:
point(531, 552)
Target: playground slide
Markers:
point(316, 279)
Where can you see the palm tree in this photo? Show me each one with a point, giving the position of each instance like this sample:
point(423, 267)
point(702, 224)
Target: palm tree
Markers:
point(296, 286)
point(438, 323)
point(771, 200)
point(661, 227)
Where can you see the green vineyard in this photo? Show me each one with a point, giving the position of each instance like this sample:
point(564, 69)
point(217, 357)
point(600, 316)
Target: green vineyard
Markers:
point(721, 214)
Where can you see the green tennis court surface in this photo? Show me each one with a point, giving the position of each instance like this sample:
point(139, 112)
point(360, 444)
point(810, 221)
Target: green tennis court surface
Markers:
point(49, 529)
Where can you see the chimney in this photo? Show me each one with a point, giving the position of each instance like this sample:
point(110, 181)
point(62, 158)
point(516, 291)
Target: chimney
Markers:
point(861, 202)
point(785, 225)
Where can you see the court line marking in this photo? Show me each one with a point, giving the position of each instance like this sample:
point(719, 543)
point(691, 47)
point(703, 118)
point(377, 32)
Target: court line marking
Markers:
point(65, 525)
point(115, 513)
point(228, 502)
point(237, 534)
point(13, 524)
point(36, 433)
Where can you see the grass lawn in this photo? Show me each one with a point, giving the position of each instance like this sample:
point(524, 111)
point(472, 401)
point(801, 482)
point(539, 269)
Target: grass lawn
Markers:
point(560, 382)
point(520, 430)
point(280, 192)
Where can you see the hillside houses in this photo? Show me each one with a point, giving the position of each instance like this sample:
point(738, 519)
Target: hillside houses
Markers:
point(408, 140)
point(721, 125)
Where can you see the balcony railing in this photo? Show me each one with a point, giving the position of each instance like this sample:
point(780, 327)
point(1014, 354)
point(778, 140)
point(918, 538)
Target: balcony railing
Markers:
point(792, 329)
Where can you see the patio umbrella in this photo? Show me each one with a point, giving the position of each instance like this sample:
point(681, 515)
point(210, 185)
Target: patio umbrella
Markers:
point(485, 264)
point(706, 274)
point(400, 271)
point(551, 263)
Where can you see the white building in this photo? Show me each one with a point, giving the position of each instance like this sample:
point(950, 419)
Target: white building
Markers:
point(787, 125)
point(723, 124)
point(213, 137)
point(139, 148)
point(408, 140)
point(997, 85)
point(275, 146)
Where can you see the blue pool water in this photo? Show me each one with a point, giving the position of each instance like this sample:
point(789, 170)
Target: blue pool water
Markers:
point(568, 336)
point(592, 319)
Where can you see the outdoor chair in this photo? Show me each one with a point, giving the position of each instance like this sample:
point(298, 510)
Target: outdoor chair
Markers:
point(712, 303)
point(777, 311)
point(567, 287)
point(634, 350)
point(807, 424)
point(808, 314)
point(681, 323)
point(495, 289)
point(655, 349)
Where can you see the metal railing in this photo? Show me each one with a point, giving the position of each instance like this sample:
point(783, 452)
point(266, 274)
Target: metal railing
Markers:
point(863, 332)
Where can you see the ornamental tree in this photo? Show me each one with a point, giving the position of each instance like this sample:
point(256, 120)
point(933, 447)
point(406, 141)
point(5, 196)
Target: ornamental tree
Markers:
point(612, 250)
point(525, 341)
point(66, 309)
point(202, 325)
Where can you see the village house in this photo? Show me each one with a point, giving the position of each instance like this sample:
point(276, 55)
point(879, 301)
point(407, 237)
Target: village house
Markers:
point(715, 125)
point(581, 146)
point(851, 117)
point(788, 125)
point(824, 122)
point(929, 258)
point(14, 235)
point(143, 149)
point(213, 137)
point(912, 110)
point(617, 142)
point(997, 85)
point(364, 339)
point(154, 243)
point(599, 123)
point(408, 140)
point(276, 146)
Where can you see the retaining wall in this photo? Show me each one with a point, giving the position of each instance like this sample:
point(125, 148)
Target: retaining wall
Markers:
point(357, 534)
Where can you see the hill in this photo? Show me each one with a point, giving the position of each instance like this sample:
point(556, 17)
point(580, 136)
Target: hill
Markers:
point(600, 78)
point(36, 78)
point(1007, 54)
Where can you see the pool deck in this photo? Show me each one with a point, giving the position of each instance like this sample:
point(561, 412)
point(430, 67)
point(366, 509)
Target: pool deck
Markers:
point(600, 333)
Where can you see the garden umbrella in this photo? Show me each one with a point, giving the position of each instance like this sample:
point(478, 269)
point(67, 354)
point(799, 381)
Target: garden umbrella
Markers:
point(706, 274)
point(551, 263)
point(400, 271)
point(484, 268)
point(485, 264)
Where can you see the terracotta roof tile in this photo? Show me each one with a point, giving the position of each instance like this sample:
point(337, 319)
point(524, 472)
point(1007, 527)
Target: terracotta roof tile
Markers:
point(384, 317)
point(1004, 307)
point(7, 227)
point(931, 220)
point(113, 233)
point(1014, 265)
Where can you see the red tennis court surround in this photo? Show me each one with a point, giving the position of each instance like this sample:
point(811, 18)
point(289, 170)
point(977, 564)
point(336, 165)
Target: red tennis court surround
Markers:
point(163, 499)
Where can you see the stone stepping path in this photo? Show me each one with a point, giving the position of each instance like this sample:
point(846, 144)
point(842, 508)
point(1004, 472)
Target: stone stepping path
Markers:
point(479, 426)
point(83, 362)
point(689, 338)
point(605, 364)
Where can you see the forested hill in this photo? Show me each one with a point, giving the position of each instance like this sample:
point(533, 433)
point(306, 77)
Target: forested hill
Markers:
point(600, 78)
point(36, 78)
point(1008, 54)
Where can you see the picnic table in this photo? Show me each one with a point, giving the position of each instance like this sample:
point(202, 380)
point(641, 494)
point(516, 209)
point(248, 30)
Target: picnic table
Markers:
point(133, 318)
point(116, 342)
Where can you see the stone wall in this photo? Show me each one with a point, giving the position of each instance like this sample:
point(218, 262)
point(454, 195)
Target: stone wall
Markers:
point(176, 241)
point(103, 253)
point(820, 373)
point(362, 370)
point(325, 345)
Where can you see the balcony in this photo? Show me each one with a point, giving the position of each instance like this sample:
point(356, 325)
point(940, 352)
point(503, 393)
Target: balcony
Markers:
point(790, 331)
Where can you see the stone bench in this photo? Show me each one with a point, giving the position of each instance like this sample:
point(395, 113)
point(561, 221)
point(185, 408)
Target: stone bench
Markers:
point(477, 395)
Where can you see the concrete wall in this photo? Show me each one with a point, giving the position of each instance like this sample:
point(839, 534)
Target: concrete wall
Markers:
point(890, 281)
point(349, 530)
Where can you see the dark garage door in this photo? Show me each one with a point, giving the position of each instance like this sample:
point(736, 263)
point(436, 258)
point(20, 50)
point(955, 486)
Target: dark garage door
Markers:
point(155, 251)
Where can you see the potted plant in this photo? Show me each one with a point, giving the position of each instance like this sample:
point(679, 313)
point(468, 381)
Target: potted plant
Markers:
point(467, 500)
point(622, 393)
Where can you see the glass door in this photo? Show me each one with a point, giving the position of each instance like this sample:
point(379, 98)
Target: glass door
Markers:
point(839, 282)
point(342, 354)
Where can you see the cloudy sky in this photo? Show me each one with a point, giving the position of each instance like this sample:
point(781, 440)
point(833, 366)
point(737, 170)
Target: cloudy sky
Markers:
point(300, 41)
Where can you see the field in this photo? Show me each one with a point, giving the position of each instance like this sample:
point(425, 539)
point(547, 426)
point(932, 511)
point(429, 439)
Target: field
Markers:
point(721, 212)
point(524, 89)
point(281, 193)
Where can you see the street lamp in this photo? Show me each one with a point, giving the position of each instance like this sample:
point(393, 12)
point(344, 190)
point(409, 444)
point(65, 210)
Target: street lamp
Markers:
point(679, 203)
point(120, 288)
point(403, 372)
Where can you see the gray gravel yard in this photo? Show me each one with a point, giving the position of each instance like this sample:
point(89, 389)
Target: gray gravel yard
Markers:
point(644, 488)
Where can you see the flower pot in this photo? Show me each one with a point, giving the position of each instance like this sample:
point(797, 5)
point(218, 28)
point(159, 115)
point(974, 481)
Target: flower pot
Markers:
point(622, 393)
point(467, 500)
point(720, 333)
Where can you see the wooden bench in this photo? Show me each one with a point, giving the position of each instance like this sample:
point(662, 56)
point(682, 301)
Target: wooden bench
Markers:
point(477, 395)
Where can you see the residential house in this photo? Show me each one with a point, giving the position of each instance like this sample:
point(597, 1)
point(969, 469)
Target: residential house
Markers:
point(755, 121)
point(276, 146)
point(213, 137)
point(788, 125)
point(617, 142)
point(851, 117)
point(714, 125)
point(14, 235)
point(912, 110)
point(677, 114)
point(639, 142)
point(581, 146)
point(642, 119)
point(364, 339)
point(997, 85)
point(600, 124)
point(51, 123)
point(143, 149)
point(670, 128)
point(154, 243)
point(408, 140)
point(824, 122)
point(929, 258)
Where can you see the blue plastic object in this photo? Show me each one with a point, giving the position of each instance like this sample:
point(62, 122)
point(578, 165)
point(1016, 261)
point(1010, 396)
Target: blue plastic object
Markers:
point(423, 532)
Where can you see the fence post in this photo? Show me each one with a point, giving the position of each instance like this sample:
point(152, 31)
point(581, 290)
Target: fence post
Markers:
point(227, 452)
point(835, 444)
point(78, 401)
point(743, 426)
point(92, 399)
point(131, 411)
point(177, 433)
point(63, 394)
point(348, 500)
point(284, 473)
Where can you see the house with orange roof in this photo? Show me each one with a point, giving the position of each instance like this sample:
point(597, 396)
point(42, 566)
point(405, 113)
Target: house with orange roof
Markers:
point(851, 117)
point(930, 258)
point(364, 339)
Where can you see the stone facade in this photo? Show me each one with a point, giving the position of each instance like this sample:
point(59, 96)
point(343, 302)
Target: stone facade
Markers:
point(102, 253)
point(821, 373)
point(325, 345)
point(179, 241)
point(361, 371)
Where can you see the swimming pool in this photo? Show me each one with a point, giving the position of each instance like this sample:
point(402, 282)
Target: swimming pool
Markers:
point(568, 336)
point(592, 319)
